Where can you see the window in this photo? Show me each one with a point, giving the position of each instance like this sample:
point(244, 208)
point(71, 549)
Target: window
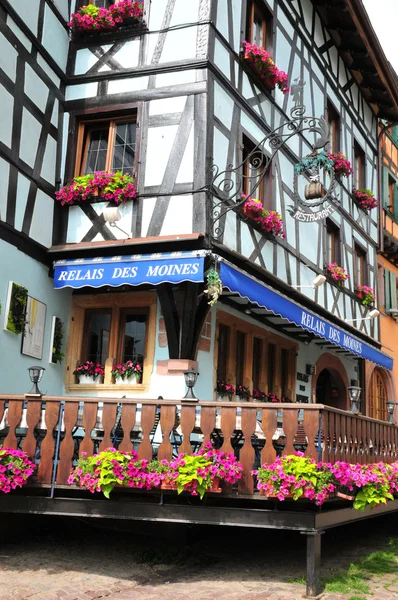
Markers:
point(285, 357)
point(258, 345)
point(223, 345)
point(109, 329)
point(390, 289)
point(334, 126)
point(377, 397)
point(252, 356)
point(132, 335)
point(253, 167)
point(258, 24)
point(391, 194)
point(359, 167)
point(97, 326)
point(100, 3)
point(332, 242)
point(240, 357)
point(106, 145)
point(271, 364)
point(360, 266)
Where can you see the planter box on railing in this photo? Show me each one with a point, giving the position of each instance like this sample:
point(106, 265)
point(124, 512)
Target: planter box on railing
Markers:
point(364, 199)
point(98, 186)
point(262, 64)
point(92, 19)
point(269, 221)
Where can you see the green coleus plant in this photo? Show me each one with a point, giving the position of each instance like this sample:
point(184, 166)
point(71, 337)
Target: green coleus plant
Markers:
point(194, 472)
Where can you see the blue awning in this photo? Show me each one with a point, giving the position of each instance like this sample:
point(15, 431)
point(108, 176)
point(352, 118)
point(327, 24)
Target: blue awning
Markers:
point(153, 269)
point(258, 293)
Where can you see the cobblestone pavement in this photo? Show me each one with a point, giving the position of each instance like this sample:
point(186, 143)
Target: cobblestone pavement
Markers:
point(57, 559)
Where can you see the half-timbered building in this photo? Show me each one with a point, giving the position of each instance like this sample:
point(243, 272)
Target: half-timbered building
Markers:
point(171, 101)
point(184, 275)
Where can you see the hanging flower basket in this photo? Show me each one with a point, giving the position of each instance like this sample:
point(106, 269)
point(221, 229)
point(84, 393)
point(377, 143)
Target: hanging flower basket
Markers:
point(364, 199)
point(264, 66)
point(92, 19)
point(269, 221)
point(100, 185)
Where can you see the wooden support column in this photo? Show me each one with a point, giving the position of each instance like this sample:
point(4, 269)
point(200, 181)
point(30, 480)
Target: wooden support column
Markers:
point(184, 309)
point(313, 584)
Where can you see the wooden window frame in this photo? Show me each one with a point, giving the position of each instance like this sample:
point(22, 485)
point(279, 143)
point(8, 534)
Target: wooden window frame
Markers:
point(361, 255)
point(392, 193)
point(85, 2)
point(82, 144)
point(333, 230)
point(117, 302)
point(359, 166)
point(264, 190)
point(334, 122)
point(267, 337)
point(258, 7)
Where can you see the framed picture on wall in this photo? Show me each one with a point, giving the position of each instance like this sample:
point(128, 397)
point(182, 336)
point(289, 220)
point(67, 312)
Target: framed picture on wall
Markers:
point(35, 319)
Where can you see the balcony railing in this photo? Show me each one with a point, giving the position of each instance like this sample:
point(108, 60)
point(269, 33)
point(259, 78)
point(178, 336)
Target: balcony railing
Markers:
point(56, 430)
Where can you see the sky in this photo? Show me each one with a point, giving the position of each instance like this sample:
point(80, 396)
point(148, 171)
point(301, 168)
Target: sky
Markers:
point(384, 17)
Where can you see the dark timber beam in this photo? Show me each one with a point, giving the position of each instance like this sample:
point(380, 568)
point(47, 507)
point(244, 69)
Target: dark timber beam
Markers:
point(313, 583)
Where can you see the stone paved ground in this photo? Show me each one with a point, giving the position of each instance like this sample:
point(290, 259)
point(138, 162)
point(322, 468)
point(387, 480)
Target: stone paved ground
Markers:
point(57, 559)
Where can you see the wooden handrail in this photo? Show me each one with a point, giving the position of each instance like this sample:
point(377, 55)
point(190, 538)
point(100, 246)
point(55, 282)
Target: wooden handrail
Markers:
point(255, 431)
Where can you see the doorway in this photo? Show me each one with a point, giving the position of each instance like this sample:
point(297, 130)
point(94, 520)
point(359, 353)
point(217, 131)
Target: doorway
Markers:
point(330, 390)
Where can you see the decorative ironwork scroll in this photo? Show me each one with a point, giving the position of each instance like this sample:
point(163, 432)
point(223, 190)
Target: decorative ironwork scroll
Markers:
point(231, 186)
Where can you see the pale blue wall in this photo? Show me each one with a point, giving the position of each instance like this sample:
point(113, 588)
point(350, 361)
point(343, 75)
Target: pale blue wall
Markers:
point(14, 378)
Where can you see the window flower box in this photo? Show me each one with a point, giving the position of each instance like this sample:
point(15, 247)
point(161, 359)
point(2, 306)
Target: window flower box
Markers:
point(224, 390)
point(89, 373)
point(92, 19)
point(336, 273)
point(263, 65)
point(99, 186)
point(364, 199)
point(268, 220)
point(128, 373)
point(366, 294)
point(342, 166)
point(243, 393)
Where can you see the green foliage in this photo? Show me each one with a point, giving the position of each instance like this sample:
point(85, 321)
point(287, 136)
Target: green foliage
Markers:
point(314, 161)
point(16, 313)
point(57, 355)
point(371, 495)
point(214, 286)
point(90, 9)
point(194, 471)
point(117, 181)
point(358, 574)
point(101, 467)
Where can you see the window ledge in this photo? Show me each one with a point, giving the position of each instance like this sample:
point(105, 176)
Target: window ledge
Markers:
point(106, 387)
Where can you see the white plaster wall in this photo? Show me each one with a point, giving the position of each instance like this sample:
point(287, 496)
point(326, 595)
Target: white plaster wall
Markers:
point(30, 133)
point(30, 12)
point(8, 58)
point(55, 38)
